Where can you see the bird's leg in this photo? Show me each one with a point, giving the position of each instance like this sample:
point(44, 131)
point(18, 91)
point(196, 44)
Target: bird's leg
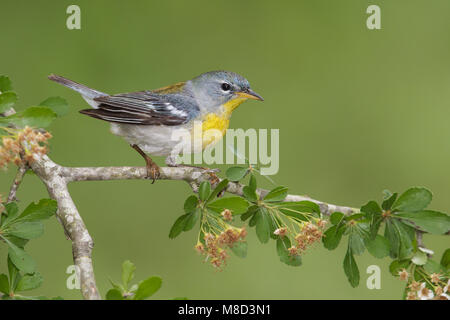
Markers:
point(171, 162)
point(152, 167)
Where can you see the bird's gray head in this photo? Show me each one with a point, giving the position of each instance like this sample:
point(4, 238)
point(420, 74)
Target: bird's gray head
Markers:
point(216, 88)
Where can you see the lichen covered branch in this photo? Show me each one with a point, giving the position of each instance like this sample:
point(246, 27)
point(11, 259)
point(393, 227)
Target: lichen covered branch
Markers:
point(188, 174)
point(12, 196)
point(74, 227)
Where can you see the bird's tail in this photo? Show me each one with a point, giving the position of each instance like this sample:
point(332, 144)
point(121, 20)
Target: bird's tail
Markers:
point(86, 92)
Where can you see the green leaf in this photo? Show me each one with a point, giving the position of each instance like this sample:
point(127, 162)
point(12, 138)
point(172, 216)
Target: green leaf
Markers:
point(7, 101)
point(387, 204)
point(301, 206)
point(190, 204)
point(413, 199)
point(14, 275)
point(178, 226)
point(39, 117)
point(397, 265)
point(252, 182)
point(26, 230)
point(428, 220)
point(419, 258)
point(373, 213)
point(57, 104)
point(44, 209)
point(336, 217)
point(147, 288)
point(204, 190)
point(236, 205)
point(262, 226)
point(400, 237)
point(240, 249)
point(371, 208)
point(236, 173)
point(356, 242)
point(391, 233)
point(355, 216)
point(433, 267)
point(276, 194)
point(387, 194)
point(20, 258)
point(445, 260)
point(128, 269)
point(312, 205)
point(12, 210)
point(375, 224)
point(378, 247)
point(29, 282)
point(294, 261)
point(4, 284)
point(292, 212)
point(254, 218)
point(17, 241)
point(250, 194)
point(5, 84)
point(250, 212)
point(272, 219)
point(114, 294)
point(351, 269)
point(220, 186)
point(333, 236)
point(191, 220)
point(282, 250)
point(117, 286)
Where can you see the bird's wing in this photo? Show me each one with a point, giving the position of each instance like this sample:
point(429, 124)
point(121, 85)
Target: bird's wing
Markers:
point(145, 108)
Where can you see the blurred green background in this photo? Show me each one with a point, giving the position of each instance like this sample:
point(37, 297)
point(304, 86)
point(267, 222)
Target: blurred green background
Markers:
point(358, 111)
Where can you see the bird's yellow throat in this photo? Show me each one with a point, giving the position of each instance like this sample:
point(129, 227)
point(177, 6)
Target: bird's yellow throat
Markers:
point(219, 122)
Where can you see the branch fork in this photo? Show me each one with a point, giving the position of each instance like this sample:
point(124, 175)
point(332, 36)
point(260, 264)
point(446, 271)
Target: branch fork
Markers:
point(56, 179)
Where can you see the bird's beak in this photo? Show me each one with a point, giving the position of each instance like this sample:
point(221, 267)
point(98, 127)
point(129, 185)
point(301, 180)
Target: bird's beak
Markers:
point(250, 94)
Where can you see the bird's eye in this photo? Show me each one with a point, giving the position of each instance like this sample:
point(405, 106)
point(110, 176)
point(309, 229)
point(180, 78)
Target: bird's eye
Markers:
point(226, 86)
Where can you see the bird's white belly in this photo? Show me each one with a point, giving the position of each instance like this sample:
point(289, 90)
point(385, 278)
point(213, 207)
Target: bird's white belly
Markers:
point(155, 140)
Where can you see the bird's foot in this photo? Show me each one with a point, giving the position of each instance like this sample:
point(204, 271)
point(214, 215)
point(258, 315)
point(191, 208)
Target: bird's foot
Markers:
point(153, 171)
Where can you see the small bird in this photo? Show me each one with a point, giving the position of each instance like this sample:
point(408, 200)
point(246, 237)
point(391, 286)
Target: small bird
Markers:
point(148, 120)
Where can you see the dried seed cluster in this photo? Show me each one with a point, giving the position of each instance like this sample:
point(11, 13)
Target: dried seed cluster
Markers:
point(19, 146)
point(214, 246)
point(309, 234)
point(227, 215)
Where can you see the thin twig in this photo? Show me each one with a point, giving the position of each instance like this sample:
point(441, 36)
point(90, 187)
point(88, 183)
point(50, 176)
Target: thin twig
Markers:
point(16, 183)
point(419, 237)
point(421, 245)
